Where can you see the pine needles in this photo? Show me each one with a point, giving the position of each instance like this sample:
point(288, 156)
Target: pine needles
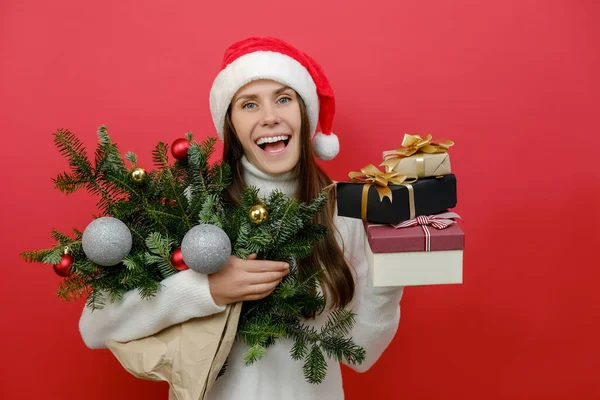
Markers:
point(160, 209)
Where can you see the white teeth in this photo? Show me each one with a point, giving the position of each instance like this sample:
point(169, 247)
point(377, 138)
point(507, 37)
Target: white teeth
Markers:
point(272, 139)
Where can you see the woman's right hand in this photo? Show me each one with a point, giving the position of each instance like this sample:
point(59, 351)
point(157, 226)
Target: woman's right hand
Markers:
point(249, 279)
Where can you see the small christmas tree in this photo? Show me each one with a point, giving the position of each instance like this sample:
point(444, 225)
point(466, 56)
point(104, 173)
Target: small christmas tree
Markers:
point(161, 206)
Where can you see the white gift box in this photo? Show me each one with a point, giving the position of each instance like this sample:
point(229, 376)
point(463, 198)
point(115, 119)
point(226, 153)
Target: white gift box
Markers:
point(395, 258)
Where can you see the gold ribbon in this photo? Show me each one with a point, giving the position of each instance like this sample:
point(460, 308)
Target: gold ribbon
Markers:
point(369, 176)
point(420, 165)
point(411, 199)
point(413, 144)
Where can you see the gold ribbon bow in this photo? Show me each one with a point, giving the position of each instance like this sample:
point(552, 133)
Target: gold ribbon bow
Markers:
point(412, 144)
point(370, 175)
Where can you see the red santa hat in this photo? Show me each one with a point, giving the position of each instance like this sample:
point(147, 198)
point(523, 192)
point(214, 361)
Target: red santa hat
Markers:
point(270, 58)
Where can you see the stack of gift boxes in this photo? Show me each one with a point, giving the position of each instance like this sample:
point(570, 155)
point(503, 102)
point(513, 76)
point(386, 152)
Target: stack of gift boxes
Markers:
point(412, 237)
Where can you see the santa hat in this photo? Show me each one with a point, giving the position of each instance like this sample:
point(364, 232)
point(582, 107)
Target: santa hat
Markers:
point(270, 58)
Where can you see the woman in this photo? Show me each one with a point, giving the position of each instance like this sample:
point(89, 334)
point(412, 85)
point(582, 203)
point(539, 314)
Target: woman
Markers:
point(266, 103)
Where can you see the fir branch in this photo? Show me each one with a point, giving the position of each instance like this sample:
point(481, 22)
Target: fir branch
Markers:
point(249, 198)
point(82, 172)
point(286, 223)
point(299, 250)
point(160, 247)
point(260, 333)
point(259, 241)
point(207, 147)
point(158, 214)
point(54, 256)
point(116, 295)
point(38, 256)
point(211, 211)
point(160, 156)
point(68, 183)
point(254, 354)
point(165, 267)
point(95, 300)
point(132, 158)
point(70, 147)
point(149, 290)
point(85, 267)
point(308, 211)
point(315, 366)
point(120, 184)
point(197, 157)
point(220, 177)
point(197, 190)
point(207, 208)
point(339, 323)
point(108, 158)
point(173, 190)
point(309, 281)
point(73, 288)
point(132, 263)
point(136, 234)
point(299, 349)
point(95, 187)
point(343, 349)
point(61, 238)
point(287, 290)
point(300, 332)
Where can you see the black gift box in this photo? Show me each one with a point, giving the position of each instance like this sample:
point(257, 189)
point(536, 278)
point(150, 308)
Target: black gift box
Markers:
point(431, 196)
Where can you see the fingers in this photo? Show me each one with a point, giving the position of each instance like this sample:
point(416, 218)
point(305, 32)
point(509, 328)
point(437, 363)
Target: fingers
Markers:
point(265, 277)
point(260, 291)
point(251, 264)
point(254, 279)
point(255, 266)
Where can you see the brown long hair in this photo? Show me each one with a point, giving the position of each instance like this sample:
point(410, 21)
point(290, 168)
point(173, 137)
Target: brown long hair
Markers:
point(337, 282)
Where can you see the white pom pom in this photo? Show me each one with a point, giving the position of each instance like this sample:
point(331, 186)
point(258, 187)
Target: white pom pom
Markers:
point(326, 147)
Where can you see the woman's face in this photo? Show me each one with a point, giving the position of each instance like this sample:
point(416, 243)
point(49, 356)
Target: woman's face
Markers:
point(266, 118)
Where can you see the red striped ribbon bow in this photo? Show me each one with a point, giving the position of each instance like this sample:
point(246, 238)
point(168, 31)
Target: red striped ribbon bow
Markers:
point(438, 221)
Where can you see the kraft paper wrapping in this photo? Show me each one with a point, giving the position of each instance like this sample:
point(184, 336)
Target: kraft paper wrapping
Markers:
point(188, 356)
point(423, 165)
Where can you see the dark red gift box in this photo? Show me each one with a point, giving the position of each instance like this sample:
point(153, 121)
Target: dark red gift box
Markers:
point(387, 239)
point(416, 255)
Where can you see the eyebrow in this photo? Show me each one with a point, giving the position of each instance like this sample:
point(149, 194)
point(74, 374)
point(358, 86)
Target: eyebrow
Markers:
point(254, 96)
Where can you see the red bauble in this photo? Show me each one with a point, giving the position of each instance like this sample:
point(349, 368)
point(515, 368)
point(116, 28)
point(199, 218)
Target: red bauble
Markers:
point(177, 260)
point(63, 268)
point(166, 202)
point(179, 148)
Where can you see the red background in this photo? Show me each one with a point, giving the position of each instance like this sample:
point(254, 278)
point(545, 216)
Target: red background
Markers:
point(513, 83)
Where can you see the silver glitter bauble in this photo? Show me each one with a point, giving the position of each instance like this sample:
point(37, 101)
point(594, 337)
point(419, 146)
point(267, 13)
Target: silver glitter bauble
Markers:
point(205, 248)
point(106, 241)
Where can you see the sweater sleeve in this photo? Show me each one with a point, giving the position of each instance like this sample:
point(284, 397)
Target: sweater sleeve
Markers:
point(377, 309)
point(181, 297)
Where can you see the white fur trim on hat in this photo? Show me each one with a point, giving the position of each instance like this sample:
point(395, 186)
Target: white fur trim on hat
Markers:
point(326, 147)
point(262, 65)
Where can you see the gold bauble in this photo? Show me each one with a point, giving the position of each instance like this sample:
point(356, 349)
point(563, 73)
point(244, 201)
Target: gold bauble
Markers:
point(138, 175)
point(258, 214)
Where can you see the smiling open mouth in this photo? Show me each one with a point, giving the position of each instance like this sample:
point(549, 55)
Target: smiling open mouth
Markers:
point(274, 144)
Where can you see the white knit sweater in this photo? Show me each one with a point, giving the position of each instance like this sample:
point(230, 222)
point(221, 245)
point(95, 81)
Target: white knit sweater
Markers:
point(186, 295)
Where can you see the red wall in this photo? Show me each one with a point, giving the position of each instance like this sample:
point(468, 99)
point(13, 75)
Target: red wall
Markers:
point(514, 83)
